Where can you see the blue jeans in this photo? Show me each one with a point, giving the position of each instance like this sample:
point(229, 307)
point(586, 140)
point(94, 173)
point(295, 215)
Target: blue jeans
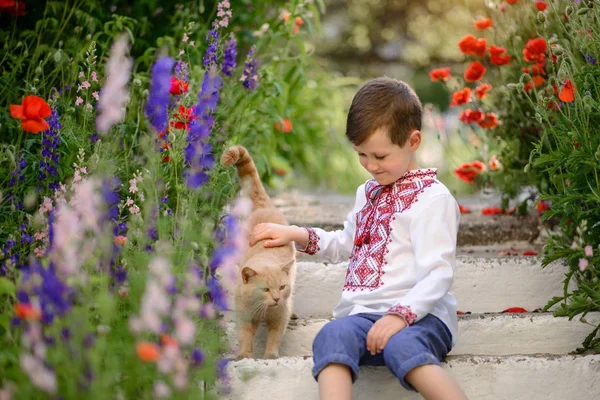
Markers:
point(344, 341)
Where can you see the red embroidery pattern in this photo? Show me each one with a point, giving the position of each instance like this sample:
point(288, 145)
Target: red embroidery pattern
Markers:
point(405, 312)
point(373, 224)
point(313, 242)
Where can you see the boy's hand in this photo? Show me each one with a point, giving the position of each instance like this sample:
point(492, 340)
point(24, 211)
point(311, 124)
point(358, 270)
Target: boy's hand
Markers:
point(382, 330)
point(279, 235)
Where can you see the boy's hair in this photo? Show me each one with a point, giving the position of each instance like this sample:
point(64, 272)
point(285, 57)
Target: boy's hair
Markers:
point(384, 103)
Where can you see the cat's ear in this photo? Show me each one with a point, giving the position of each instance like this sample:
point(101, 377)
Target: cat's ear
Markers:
point(248, 273)
point(286, 267)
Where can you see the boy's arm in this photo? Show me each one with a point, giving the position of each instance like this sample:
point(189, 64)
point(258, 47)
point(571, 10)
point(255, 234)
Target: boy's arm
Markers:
point(433, 234)
point(334, 246)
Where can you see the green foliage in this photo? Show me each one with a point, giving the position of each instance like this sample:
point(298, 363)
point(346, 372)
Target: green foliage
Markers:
point(56, 53)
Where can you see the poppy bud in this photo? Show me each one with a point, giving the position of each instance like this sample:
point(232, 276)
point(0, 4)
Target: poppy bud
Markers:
point(553, 40)
point(520, 87)
point(582, 11)
point(568, 11)
point(511, 85)
point(541, 17)
point(597, 154)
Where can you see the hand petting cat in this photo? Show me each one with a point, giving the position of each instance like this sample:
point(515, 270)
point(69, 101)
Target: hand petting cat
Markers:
point(278, 235)
point(379, 334)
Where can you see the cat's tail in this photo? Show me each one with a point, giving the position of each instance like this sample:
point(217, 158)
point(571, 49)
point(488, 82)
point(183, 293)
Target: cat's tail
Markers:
point(239, 156)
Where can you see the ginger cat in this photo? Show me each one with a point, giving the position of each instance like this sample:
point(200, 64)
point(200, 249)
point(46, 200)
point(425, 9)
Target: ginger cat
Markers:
point(263, 291)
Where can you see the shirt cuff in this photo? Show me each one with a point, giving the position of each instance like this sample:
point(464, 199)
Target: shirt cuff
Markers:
point(405, 312)
point(312, 245)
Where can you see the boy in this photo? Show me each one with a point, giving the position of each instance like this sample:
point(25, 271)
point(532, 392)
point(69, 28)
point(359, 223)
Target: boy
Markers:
point(400, 240)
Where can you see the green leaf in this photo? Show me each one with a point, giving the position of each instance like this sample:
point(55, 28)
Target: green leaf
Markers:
point(7, 287)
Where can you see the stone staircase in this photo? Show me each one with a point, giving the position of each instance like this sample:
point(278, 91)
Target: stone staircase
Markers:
point(497, 356)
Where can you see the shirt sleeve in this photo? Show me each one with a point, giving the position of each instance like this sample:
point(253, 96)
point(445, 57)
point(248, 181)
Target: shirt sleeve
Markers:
point(335, 246)
point(433, 235)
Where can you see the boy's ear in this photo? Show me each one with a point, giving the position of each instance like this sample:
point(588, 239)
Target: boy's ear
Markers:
point(414, 140)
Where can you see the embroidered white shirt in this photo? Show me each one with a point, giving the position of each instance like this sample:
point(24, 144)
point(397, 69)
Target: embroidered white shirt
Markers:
point(400, 243)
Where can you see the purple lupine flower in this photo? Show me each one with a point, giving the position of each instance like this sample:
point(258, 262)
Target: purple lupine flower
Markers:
point(222, 368)
point(198, 153)
point(197, 357)
point(181, 70)
point(249, 77)
point(158, 100)
point(229, 56)
point(590, 59)
point(210, 57)
point(216, 293)
point(56, 297)
point(17, 175)
point(50, 155)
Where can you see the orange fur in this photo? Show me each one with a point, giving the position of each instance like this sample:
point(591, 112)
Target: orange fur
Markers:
point(263, 291)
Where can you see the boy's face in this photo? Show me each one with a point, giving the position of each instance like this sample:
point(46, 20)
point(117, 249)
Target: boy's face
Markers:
point(385, 161)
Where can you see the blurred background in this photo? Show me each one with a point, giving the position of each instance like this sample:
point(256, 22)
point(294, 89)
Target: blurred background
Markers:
point(403, 39)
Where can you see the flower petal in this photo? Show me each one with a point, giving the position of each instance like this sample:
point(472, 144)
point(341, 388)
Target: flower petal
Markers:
point(34, 125)
point(16, 111)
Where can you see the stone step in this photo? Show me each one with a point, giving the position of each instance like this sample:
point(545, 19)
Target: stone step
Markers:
point(516, 377)
point(329, 212)
point(481, 284)
point(489, 334)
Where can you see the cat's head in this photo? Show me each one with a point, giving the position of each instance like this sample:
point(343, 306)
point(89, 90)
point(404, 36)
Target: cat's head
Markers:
point(267, 285)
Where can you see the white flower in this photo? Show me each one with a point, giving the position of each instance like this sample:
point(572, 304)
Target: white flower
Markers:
point(161, 390)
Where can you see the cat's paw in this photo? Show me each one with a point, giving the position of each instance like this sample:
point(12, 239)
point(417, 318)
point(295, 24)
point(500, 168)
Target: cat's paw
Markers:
point(245, 354)
point(271, 355)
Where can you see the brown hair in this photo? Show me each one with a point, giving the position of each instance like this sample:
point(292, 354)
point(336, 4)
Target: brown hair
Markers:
point(384, 103)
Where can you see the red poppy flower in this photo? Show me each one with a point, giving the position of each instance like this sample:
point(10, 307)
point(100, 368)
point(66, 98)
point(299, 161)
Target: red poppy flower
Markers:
point(494, 163)
point(469, 171)
point(470, 45)
point(32, 113)
point(482, 90)
point(285, 128)
point(530, 253)
point(567, 93)
point(498, 56)
point(183, 118)
point(536, 80)
point(492, 211)
point(14, 8)
point(512, 2)
point(471, 116)
point(541, 5)
point(474, 71)
point(166, 158)
point(440, 74)
point(26, 311)
point(483, 24)
point(297, 24)
point(533, 49)
point(490, 121)
point(537, 69)
point(463, 209)
point(148, 352)
point(178, 86)
point(542, 206)
point(515, 310)
point(461, 97)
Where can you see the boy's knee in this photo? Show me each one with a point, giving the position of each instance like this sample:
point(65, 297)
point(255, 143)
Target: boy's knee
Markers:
point(335, 336)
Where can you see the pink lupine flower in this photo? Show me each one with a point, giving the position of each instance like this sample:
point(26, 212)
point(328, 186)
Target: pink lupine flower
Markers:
point(114, 95)
point(94, 77)
point(589, 252)
point(78, 101)
point(185, 38)
point(96, 95)
point(583, 264)
point(161, 390)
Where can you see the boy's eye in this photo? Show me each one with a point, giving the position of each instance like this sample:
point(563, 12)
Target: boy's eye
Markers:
point(265, 289)
point(361, 155)
point(380, 157)
point(281, 287)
